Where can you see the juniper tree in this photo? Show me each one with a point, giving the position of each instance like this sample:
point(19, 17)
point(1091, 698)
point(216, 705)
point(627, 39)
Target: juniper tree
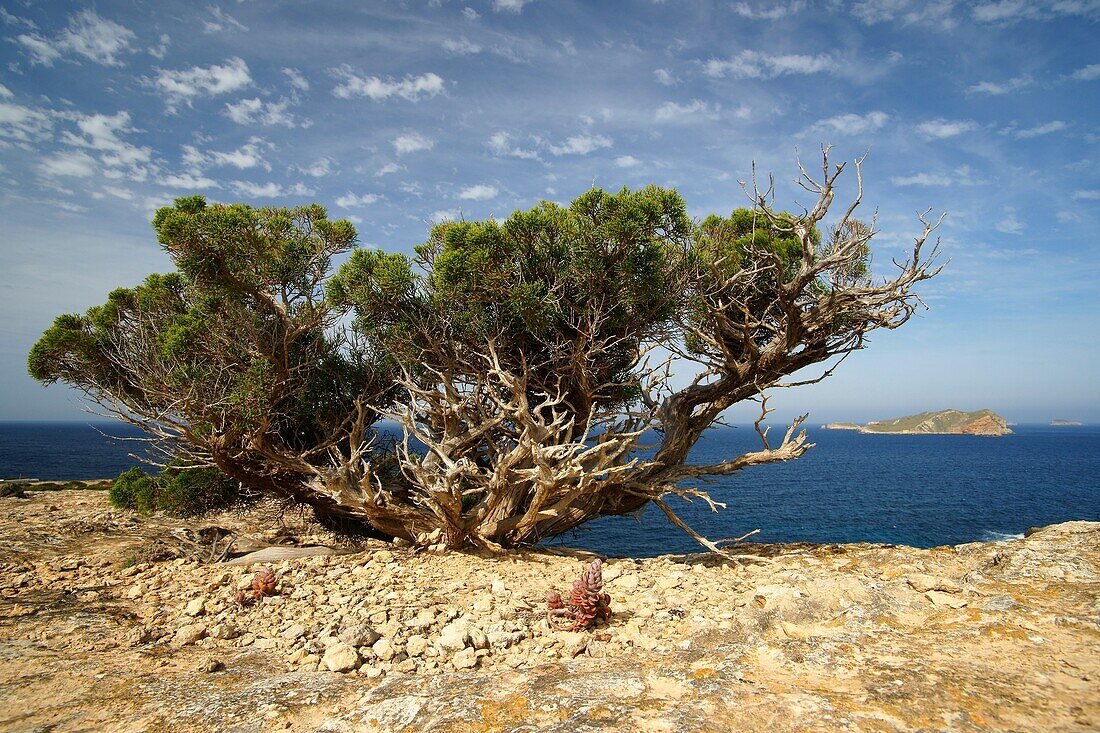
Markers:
point(526, 362)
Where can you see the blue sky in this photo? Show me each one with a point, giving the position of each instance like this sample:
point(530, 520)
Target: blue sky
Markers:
point(397, 114)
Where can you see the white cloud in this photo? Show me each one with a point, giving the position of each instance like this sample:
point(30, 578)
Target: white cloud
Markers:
point(461, 47)
point(852, 124)
point(101, 132)
point(1043, 129)
point(187, 180)
point(318, 168)
point(675, 112)
point(627, 161)
point(665, 77)
point(247, 156)
point(72, 163)
point(995, 89)
point(160, 50)
point(756, 65)
point(412, 88)
point(478, 192)
point(119, 193)
point(1088, 73)
point(67, 206)
point(999, 11)
point(1010, 224)
point(1069, 217)
point(16, 21)
point(960, 176)
point(412, 142)
point(88, 35)
point(1087, 195)
point(269, 190)
point(23, 124)
point(41, 50)
point(509, 6)
point(445, 215)
point(581, 144)
point(500, 143)
point(349, 200)
point(470, 14)
point(180, 86)
point(387, 169)
point(258, 112)
point(769, 11)
point(297, 80)
point(1011, 11)
point(940, 128)
point(906, 12)
point(922, 179)
point(221, 21)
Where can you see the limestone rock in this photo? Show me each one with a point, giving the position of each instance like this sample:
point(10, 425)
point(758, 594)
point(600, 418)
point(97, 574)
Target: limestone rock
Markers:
point(189, 634)
point(293, 632)
point(224, 631)
point(923, 583)
point(454, 636)
point(341, 657)
point(384, 650)
point(416, 645)
point(465, 659)
point(947, 600)
point(361, 635)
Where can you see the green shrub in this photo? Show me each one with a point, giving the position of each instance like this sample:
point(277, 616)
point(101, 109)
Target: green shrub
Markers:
point(128, 486)
point(189, 492)
point(180, 491)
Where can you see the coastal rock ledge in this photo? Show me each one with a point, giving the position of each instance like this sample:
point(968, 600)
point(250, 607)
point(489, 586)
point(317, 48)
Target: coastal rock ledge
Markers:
point(984, 636)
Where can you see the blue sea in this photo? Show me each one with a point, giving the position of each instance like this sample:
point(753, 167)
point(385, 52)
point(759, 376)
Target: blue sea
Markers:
point(920, 490)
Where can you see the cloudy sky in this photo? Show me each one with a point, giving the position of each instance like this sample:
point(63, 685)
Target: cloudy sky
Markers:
point(397, 114)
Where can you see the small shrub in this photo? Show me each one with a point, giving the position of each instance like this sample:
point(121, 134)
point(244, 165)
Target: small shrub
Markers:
point(190, 492)
point(133, 489)
point(180, 491)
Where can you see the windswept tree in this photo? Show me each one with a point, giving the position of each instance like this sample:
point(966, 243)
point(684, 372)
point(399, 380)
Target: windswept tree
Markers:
point(236, 359)
point(526, 361)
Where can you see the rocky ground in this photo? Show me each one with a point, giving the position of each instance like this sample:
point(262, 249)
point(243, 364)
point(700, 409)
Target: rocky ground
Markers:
point(110, 621)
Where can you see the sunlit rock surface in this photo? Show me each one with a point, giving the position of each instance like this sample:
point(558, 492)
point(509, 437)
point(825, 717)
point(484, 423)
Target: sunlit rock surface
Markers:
point(989, 636)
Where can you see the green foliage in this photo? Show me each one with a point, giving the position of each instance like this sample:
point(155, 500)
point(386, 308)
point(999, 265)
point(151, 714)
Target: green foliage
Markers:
point(134, 489)
point(543, 285)
point(176, 490)
point(731, 251)
point(190, 492)
point(238, 340)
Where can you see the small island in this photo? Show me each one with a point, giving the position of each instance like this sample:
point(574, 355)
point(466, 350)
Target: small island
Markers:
point(944, 422)
point(1066, 423)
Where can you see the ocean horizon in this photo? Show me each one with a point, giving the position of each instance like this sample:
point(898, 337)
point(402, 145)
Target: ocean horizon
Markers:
point(918, 490)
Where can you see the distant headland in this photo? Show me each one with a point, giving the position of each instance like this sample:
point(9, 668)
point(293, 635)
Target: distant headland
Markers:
point(944, 422)
point(1066, 423)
